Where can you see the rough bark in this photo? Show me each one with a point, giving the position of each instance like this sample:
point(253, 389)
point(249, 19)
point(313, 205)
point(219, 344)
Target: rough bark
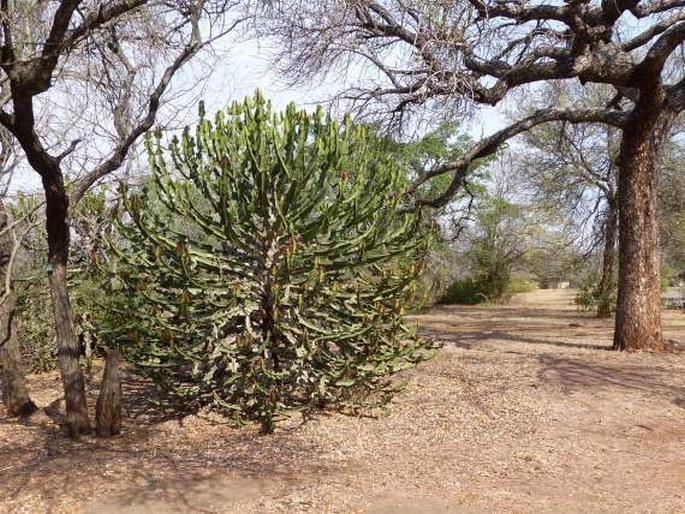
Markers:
point(108, 408)
point(638, 312)
point(606, 282)
point(15, 394)
point(67, 343)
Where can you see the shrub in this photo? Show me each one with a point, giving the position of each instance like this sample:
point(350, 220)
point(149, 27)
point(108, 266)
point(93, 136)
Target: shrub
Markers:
point(475, 290)
point(266, 266)
point(520, 285)
point(34, 322)
point(589, 295)
point(436, 276)
point(464, 291)
point(667, 277)
point(34, 307)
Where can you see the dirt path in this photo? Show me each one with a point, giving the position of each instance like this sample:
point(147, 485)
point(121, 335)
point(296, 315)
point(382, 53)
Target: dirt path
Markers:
point(525, 410)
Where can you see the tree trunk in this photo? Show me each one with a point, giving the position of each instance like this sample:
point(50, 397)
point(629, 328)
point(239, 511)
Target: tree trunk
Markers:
point(57, 204)
point(14, 392)
point(638, 312)
point(15, 395)
point(606, 283)
point(108, 408)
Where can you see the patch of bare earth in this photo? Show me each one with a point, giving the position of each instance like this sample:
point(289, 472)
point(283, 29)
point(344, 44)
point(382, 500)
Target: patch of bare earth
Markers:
point(525, 410)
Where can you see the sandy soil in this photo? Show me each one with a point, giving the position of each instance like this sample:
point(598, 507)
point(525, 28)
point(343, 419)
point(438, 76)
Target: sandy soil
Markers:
point(524, 410)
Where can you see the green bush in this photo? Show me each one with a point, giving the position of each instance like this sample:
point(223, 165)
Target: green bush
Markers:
point(266, 266)
point(520, 285)
point(436, 276)
point(475, 290)
point(34, 322)
point(34, 307)
point(667, 277)
point(589, 295)
point(464, 291)
point(35, 319)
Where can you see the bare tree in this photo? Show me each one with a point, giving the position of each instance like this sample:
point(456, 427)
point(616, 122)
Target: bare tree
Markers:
point(572, 169)
point(129, 51)
point(463, 53)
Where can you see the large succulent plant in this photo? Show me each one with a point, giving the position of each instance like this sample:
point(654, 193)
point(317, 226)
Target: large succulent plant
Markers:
point(266, 263)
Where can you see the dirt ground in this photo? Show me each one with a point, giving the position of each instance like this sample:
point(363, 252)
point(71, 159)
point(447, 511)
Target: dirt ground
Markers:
point(524, 410)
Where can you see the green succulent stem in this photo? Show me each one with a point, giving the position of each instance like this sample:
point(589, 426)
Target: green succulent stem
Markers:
point(265, 265)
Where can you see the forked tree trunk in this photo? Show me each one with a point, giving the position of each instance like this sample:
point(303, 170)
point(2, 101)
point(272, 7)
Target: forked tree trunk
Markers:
point(14, 392)
point(67, 343)
point(606, 282)
point(638, 314)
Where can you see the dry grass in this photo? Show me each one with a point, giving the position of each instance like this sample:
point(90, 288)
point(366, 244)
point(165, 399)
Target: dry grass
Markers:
point(525, 410)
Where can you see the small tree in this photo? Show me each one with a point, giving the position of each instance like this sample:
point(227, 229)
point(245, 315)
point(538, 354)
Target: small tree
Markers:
point(572, 169)
point(672, 205)
point(13, 387)
point(15, 394)
point(267, 265)
point(497, 242)
point(435, 148)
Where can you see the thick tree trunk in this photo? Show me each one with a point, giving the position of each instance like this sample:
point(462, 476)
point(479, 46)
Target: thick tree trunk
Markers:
point(14, 392)
point(57, 205)
point(638, 313)
point(108, 408)
point(606, 282)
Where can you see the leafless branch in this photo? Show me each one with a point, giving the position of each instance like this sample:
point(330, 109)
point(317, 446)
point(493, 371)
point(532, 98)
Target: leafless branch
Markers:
point(489, 145)
point(128, 138)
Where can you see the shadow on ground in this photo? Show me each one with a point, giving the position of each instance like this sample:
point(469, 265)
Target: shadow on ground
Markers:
point(158, 454)
point(574, 374)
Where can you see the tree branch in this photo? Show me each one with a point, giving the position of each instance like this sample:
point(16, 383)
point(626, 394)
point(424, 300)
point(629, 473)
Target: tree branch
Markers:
point(489, 145)
point(60, 24)
point(644, 9)
point(658, 28)
point(99, 18)
point(7, 43)
point(517, 11)
point(81, 185)
point(661, 50)
point(69, 150)
point(7, 120)
point(675, 97)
